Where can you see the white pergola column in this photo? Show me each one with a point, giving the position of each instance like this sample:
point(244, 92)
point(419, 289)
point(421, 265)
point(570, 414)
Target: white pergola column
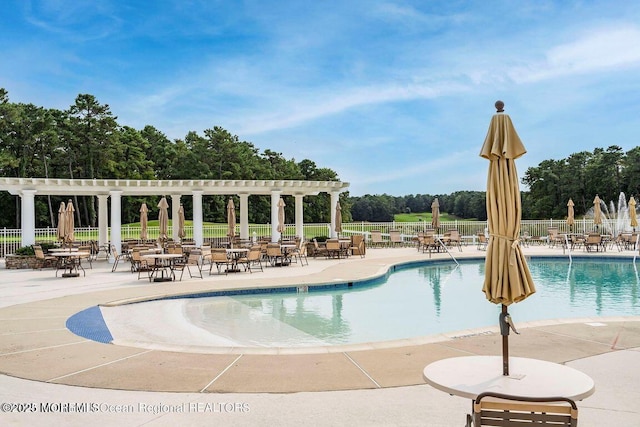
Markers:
point(275, 197)
point(103, 219)
point(197, 217)
point(299, 215)
point(334, 202)
point(244, 215)
point(175, 206)
point(28, 217)
point(116, 221)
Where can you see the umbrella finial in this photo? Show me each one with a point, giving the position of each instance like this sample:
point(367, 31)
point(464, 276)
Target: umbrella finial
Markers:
point(499, 106)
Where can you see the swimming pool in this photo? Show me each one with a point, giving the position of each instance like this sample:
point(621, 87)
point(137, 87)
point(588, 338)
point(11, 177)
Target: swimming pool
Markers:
point(410, 301)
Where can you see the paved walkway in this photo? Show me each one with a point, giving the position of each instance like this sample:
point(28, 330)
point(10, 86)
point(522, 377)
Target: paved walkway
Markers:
point(369, 384)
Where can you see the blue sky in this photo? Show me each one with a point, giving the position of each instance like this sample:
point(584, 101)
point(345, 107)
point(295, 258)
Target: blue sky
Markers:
point(395, 96)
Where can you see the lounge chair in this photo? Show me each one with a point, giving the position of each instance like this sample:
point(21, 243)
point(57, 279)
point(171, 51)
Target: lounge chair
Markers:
point(496, 409)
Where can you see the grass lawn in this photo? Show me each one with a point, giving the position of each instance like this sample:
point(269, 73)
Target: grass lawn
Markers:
point(422, 216)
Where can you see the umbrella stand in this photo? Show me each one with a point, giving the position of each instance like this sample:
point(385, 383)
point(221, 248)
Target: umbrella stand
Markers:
point(505, 324)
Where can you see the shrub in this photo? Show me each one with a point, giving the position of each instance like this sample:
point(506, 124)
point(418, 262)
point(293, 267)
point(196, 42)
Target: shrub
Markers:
point(25, 251)
point(320, 238)
point(28, 250)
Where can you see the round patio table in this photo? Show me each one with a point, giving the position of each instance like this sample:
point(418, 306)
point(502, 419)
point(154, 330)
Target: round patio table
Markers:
point(471, 375)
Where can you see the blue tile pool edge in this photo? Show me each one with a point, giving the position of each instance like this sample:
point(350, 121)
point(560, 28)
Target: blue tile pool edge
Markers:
point(90, 324)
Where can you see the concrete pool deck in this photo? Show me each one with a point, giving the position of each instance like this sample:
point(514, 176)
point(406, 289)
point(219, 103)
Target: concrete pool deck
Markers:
point(370, 384)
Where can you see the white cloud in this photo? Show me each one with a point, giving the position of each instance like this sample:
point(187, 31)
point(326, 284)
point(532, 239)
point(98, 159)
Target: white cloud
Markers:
point(601, 50)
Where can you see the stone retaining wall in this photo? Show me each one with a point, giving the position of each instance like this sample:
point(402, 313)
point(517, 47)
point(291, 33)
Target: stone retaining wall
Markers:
point(26, 261)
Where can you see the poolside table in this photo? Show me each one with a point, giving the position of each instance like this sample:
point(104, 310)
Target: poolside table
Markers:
point(471, 375)
point(162, 269)
point(234, 254)
point(70, 262)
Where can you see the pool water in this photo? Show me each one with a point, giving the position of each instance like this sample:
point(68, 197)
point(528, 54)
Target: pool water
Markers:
point(409, 302)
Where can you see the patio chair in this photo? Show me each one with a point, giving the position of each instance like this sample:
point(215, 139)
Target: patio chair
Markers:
point(452, 238)
point(219, 258)
point(376, 239)
point(205, 253)
point(42, 258)
point(192, 261)
point(576, 240)
point(593, 241)
point(419, 240)
point(88, 257)
point(554, 237)
point(318, 250)
point(395, 238)
point(482, 241)
point(174, 248)
point(430, 244)
point(141, 265)
point(299, 253)
point(496, 409)
point(275, 255)
point(251, 259)
point(357, 245)
point(117, 257)
point(334, 250)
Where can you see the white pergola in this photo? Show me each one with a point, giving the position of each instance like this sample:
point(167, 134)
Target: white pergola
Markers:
point(103, 189)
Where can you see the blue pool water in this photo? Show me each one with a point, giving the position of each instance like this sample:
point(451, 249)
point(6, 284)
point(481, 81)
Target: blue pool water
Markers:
point(409, 302)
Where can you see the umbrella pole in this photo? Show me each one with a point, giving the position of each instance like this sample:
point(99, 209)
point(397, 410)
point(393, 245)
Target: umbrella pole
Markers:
point(504, 330)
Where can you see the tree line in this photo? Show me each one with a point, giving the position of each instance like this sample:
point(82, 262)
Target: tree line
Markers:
point(86, 141)
point(580, 177)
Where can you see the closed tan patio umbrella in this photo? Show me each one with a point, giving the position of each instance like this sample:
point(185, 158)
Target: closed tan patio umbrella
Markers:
point(435, 214)
point(338, 218)
point(507, 275)
point(597, 212)
point(61, 221)
point(633, 216)
point(69, 223)
point(181, 230)
point(570, 214)
point(144, 219)
point(163, 220)
point(231, 221)
point(281, 223)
